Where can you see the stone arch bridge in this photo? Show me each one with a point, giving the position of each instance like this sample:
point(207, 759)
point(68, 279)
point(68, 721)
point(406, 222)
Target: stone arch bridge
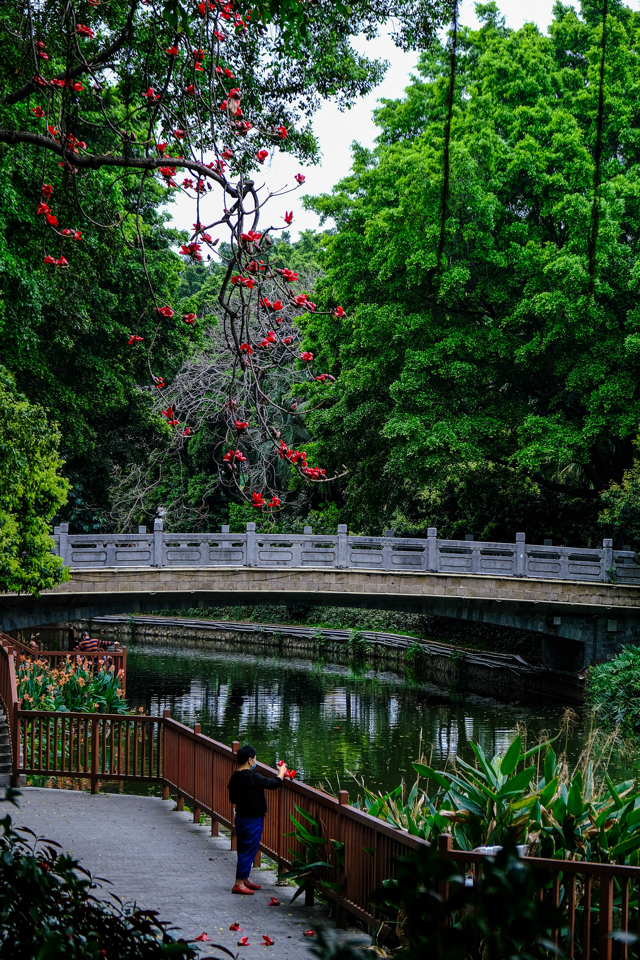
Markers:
point(584, 602)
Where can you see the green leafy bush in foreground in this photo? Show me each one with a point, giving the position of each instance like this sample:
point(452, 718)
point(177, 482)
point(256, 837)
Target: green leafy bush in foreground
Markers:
point(613, 688)
point(48, 909)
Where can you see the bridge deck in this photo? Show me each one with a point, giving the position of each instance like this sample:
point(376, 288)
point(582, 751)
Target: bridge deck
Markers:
point(161, 859)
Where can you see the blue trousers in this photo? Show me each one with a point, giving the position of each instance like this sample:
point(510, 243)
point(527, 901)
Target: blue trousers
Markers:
point(248, 835)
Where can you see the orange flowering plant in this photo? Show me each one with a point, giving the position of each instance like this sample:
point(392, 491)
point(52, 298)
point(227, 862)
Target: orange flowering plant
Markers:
point(71, 686)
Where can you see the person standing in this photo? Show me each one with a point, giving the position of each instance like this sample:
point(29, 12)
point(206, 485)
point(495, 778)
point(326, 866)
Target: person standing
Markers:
point(246, 793)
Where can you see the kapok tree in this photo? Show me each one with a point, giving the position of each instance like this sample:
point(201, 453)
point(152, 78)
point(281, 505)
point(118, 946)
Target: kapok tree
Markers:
point(195, 96)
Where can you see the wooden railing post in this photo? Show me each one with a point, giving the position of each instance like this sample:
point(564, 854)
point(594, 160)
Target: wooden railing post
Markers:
point(235, 746)
point(95, 749)
point(606, 917)
point(343, 874)
point(196, 809)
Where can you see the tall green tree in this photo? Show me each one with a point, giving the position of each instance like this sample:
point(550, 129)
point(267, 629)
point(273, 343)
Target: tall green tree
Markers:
point(32, 491)
point(496, 385)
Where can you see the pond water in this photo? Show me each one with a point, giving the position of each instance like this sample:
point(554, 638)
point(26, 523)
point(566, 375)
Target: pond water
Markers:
point(330, 722)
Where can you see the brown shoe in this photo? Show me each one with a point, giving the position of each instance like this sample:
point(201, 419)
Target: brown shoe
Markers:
point(252, 886)
point(240, 888)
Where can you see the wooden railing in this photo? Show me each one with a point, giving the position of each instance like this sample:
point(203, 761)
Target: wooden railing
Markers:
point(199, 768)
point(598, 899)
point(91, 746)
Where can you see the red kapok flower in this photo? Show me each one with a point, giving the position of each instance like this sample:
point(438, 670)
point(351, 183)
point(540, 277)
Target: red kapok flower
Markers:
point(134, 339)
point(309, 933)
point(43, 208)
point(51, 220)
point(299, 178)
point(50, 259)
point(289, 275)
point(161, 147)
point(275, 502)
point(268, 942)
point(242, 424)
point(38, 112)
point(202, 937)
point(246, 348)
point(282, 131)
point(180, 134)
point(186, 432)
point(277, 305)
point(262, 155)
point(288, 217)
point(273, 902)
point(83, 31)
point(257, 500)
point(287, 340)
point(165, 311)
point(244, 942)
point(338, 312)
point(189, 317)
point(236, 928)
point(173, 51)
point(159, 383)
point(306, 356)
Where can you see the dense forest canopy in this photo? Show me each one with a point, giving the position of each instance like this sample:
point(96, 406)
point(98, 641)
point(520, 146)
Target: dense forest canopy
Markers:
point(470, 359)
point(496, 388)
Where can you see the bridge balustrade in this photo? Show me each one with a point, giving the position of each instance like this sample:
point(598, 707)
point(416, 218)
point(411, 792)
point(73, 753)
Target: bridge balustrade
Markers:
point(342, 551)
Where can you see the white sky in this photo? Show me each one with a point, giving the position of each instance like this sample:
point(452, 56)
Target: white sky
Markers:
point(336, 131)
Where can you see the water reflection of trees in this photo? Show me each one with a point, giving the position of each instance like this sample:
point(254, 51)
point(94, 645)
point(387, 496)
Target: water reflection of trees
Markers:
point(323, 721)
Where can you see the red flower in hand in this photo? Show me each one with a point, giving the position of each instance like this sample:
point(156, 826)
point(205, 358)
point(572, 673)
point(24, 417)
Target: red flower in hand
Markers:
point(290, 774)
point(236, 928)
point(268, 942)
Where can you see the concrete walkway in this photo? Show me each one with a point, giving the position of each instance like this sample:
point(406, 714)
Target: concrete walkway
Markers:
point(158, 857)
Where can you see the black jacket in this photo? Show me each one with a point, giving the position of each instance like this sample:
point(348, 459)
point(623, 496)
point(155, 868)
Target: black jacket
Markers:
point(246, 790)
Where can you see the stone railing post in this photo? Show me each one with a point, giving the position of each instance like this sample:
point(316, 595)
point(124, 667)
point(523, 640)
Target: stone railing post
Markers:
point(607, 558)
point(63, 532)
point(432, 549)
point(342, 546)
point(158, 543)
point(521, 555)
point(251, 544)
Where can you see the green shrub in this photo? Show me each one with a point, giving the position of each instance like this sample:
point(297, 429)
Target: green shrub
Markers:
point(613, 688)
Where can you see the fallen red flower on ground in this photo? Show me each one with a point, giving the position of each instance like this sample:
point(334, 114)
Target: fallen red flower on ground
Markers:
point(236, 928)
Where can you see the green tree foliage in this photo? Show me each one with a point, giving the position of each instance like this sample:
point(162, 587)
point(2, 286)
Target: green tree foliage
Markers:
point(498, 389)
point(613, 688)
point(31, 492)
